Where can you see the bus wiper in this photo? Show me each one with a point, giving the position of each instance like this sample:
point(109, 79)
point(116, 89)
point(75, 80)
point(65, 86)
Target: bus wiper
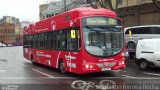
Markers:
point(88, 27)
point(102, 27)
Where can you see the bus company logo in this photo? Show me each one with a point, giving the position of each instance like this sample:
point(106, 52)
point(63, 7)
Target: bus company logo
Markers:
point(42, 54)
point(69, 64)
point(71, 23)
point(48, 56)
point(39, 53)
point(53, 25)
point(69, 57)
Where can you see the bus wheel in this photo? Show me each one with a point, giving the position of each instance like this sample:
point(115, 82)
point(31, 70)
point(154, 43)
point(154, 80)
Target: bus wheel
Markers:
point(143, 65)
point(62, 67)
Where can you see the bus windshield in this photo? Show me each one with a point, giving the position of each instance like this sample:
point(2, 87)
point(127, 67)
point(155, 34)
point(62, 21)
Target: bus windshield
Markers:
point(102, 38)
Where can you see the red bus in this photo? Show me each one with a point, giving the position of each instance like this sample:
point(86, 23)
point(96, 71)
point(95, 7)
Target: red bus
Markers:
point(82, 40)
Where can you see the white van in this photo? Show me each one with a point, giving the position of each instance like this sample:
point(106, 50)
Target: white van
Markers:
point(148, 53)
point(135, 33)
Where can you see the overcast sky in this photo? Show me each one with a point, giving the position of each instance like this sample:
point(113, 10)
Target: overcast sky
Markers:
point(22, 9)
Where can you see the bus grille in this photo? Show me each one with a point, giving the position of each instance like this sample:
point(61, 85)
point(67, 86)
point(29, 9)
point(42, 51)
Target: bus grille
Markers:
point(106, 64)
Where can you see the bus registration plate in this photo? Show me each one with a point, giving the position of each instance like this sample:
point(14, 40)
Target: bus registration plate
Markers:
point(106, 69)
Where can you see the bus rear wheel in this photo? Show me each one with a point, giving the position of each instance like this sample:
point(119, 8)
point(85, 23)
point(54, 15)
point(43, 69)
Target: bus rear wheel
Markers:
point(62, 67)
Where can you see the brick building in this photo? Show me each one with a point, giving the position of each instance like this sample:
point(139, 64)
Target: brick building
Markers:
point(7, 33)
point(138, 12)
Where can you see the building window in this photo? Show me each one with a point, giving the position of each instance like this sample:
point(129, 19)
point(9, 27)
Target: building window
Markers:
point(119, 1)
point(48, 15)
point(56, 13)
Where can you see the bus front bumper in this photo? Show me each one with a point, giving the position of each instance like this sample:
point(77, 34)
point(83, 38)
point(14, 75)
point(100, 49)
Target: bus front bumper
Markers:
point(93, 68)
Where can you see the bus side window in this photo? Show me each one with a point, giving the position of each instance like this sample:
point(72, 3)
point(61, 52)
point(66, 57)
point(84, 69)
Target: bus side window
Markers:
point(31, 41)
point(63, 40)
point(73, 40)
point(52, 40)
point(26, 41)
point(46, 40)
point(41, 41)
point(58, 40)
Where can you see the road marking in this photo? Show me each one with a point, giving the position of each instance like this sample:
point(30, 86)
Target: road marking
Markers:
point(129, 76)
point(151, 74)
point(76, 78)
point(43, 73)
point(124, 71)
point(19, 78)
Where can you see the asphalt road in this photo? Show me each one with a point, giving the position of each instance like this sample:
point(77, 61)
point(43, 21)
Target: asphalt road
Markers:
point(17, 73)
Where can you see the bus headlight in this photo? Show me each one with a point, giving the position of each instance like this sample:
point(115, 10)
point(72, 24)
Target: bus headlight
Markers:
point(87, 66)
point(122, 62)
point(91, 66)
point(123, 54)
point(84, 61)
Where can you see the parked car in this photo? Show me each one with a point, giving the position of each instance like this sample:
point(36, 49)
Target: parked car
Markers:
point(135, 33)
point(2, 45)
point(148, 53)
point(9, 45)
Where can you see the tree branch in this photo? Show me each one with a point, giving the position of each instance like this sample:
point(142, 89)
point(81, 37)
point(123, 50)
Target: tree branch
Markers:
point(157, 3)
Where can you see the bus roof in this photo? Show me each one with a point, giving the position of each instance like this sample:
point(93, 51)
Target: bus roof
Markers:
point(88, 10)
point(61, 18)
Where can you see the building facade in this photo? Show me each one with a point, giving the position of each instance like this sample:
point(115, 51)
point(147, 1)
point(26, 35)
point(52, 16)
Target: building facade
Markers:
point(42, 8)
point(10, 19)
point(7, 33)
point(56, 7)
point(133, 12)
point(138, 12)
point(128, 3)
point(53, 8)
point(10, 31)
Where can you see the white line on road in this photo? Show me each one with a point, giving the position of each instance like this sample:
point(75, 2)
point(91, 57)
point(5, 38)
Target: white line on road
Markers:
point(152, 74)
point(74, 78)
point(19, 78)
point(129, 76)
point(43, 73)
point(124, 71)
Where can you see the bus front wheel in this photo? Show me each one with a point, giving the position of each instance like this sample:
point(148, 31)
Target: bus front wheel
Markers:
point(62, 67)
